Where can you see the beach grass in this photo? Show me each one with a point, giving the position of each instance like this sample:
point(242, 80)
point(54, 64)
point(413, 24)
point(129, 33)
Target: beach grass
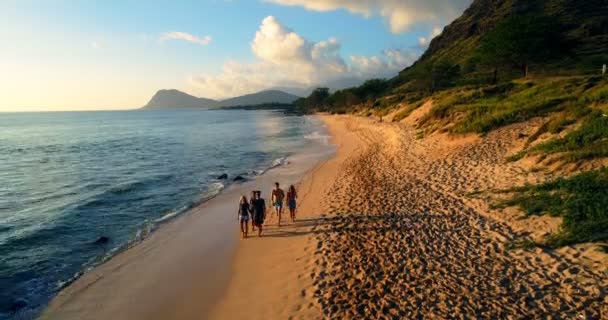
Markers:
point(588, 141)
point(407, 110)
point(475, 109)
point(580, 200)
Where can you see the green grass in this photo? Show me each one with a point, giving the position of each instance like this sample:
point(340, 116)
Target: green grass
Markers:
point(407, 111)
point(516, 156)
point(554, 125)
point(475, 109)
point(588, 141)
point(522, 244)
point(563, 101)
point(581, 200)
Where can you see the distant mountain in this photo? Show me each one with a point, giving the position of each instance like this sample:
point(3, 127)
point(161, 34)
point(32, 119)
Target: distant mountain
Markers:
point(164, 99)
point(177, 99)
point(267, 96)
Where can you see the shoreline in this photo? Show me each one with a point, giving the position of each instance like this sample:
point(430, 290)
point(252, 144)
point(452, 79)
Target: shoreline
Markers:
point(384, 229)
point(193, 244)
point(276, 268)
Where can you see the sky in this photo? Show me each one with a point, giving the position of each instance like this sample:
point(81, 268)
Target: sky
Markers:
point(115, 54)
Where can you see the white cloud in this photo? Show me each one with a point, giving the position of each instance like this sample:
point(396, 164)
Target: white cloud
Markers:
point(176, 35)
point(401, 57)
point(424, 41)
point(95, 45)
point(286, 59)
point(399, 14)
point(276, 43)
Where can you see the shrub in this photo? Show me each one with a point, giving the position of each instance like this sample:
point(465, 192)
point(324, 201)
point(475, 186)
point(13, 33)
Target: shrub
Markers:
point(581, 200)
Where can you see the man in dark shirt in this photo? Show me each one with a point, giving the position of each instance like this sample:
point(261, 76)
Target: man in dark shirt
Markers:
point(259, 211)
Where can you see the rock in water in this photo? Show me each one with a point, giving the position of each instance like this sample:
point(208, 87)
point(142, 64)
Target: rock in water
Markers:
point(222, 177)
point(238, 178)
point(102, 240)
point(18, 305)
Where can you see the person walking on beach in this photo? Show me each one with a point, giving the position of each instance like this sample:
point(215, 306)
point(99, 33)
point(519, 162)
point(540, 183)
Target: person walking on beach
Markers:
point(259, 211)
point(243, 216)
point(251, 210)
point(277, 200)
point(291, 202)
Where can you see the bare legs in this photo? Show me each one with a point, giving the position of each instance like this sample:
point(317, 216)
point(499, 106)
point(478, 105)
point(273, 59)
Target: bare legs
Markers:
point(278, 210)
point(244, 228)
point(292, 214)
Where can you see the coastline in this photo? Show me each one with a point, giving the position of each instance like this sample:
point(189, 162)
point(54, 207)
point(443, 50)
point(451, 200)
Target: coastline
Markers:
point(385, 229)
point(181, 269)
point(276, 269)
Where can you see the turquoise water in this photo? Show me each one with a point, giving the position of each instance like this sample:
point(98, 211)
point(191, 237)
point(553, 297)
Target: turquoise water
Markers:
point(69, 178)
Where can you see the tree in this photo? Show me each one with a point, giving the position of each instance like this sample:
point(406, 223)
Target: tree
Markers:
point(444, 74)
point(317, 97)
point(315, 101)
point(519, 41)
point(371, 89)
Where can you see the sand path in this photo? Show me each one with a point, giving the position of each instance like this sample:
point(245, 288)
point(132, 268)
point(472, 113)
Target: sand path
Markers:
point(387, 231)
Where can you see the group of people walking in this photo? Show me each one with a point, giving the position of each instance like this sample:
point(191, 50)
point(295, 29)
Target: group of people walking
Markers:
point(255, 208)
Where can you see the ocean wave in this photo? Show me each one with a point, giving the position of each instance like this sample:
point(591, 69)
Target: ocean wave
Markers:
point(167, 216)
point(279, 162)
point(274, 164)
point(213, 190)
point(317, 136)
point(126, 187)
point(108, 195)
point(147, 229)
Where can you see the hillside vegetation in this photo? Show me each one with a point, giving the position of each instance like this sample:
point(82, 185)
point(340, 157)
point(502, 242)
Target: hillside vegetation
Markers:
point(504, 62)
point(581, 201)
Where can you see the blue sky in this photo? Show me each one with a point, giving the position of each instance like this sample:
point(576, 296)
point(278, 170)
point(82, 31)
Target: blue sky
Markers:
point(67, 55)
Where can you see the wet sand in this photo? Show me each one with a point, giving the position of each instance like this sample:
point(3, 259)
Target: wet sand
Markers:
point(183, 268)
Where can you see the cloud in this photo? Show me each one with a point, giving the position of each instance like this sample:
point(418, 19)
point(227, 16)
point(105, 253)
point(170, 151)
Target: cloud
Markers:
point(424, 41)
point(287, 59)
point(95, 45)
point(176, 35)
point(399, 14)
point(386, 65)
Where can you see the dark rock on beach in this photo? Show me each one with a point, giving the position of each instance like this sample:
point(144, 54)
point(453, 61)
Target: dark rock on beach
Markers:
point(238, 178)
point(222, 176)
point(102, 240)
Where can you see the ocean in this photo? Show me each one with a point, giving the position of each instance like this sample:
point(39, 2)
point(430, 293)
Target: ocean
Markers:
point(78, 187)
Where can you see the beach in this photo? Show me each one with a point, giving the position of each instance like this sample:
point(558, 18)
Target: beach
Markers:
point(183, 268)
point(386, 228)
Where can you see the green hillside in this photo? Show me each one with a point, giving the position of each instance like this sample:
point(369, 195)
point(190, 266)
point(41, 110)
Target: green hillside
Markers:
point(504, 62)
point(582, 24)
point(548, 38)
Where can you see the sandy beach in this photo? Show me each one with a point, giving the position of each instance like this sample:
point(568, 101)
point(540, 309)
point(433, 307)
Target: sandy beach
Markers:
point(386, 228)
point(181, 270)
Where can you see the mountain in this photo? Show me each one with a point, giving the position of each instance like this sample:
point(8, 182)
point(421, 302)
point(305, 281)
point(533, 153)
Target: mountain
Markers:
point(494, 48)
point(177, 99)
point(267, 96)
point(164, 99)
point(583, 23)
